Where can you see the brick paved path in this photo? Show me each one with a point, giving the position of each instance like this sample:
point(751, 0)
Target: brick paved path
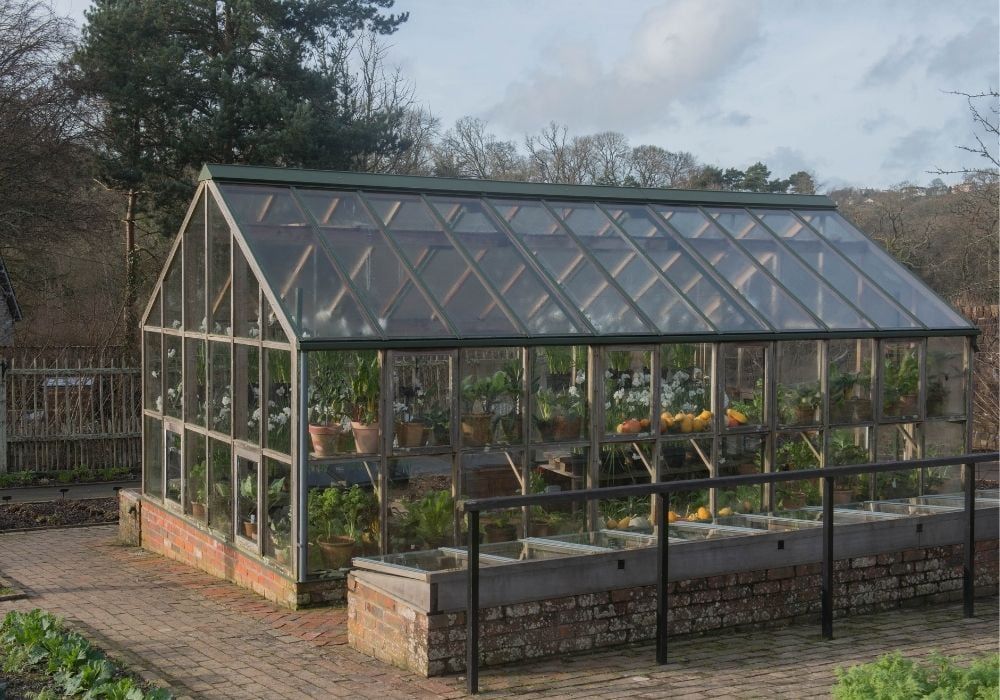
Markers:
point(206, 638)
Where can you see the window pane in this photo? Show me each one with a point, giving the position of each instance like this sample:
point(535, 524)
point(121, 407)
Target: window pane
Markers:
point(684, 459)
point(342, 514)
point(850, 380)
point(808, 289)
point(742, 454)
point(502, 263)
point(558, 394)
point(246, 384)
point(799, 398)
point(173, 470)
point(343, 392)
point(421, 400)
point(624, 465)
point(153, 371)
point(152, 458)
point(736, 267)
point(247, 310)
point(421, 507)
point(686, 388)
point(221, 408)
point(485, 475)
point(628, 392)
point(552, 471)
point(896, 443)
point(833, 268)
point(155, 317)
point(684, 270)
point(492, 381)
point(743, 385)
point(195, 476)
point(173, 297)
point(944, 439)
point(947, 369)
point(194, 271)
point(278, 434)
point(174, 375)
point(278, 512)
point(640, 279)
point(454, 285)
point(219, 280)
point(794, 451)
point(220, 488)
point(196, 378)
point(885, 271)
point(850, 446)
point(588, 287)
point(900, 378)
point(246, 500)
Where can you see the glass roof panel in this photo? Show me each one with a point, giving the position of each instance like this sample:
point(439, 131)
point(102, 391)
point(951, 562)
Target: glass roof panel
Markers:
point(294, 263)
point(817, 296)
point(456, 288)
point(633, 272)
point(888, 274)
point(380, 278)
point(503, 264)
point(837, 271)
point(736, 267)
point(592, 292)
point(683, 270)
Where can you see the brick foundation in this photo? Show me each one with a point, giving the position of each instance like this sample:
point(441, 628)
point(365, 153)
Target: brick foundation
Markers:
point(397, 632)
point(159, 530)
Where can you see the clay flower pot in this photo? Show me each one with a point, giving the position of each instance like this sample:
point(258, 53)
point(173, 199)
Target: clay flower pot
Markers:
point(365, 437)
point(476, 429)
point(410, 434)
point(324, 439)
point(336, 551)
point(198, 510)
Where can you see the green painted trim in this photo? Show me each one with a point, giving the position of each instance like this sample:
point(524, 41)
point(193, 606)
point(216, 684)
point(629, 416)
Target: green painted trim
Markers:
point(500, 188)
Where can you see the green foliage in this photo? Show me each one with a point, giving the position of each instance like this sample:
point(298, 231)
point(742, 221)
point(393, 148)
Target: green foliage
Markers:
point(430, 517)
point(900, 377)
point(38, 640)
point(894, 677)
point(365, 383)
point(342, 511)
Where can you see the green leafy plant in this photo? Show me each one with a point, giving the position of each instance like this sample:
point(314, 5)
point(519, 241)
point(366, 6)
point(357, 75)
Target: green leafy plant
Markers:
point(198, 481)
point(430, 517)
point(343, 512)
point(894, 677)
point(900, 378)
point(365, 380)
point(329, 387)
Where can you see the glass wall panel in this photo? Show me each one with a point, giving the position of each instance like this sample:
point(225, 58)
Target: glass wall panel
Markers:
point(944, 439)
point(589, 288)
point(220, 282)
point(897, 442)
point(686, 388)
point(421, 506)
point(173, 294)
point(247, 473)
point(836, 270)
point(342, 513)
point(195, 476)
point(794, 451)
point(174, 375)
point(485, 475)
point(174, 464)
point(278, 378)
point(220, 488)
point(743, 385)
point(278, 512)
point(628, 392)
point(682, 459)
point(558, 394)
point(152, 457)
point(738, 268)
point(800, 401)
point(900, 378)
point(220, 410)
point(492, 384)
point(196, 379)
point(155, 317)
point(743, 454)
point(551, 470)
point(503, 264)
point(194, 271)
point(153, 371)
point(914, 296)
point(947, 376)
point(849, 377)
point(272, 326)
point(246, 309)
point(625, 464)
point(246, 384)
point(343, 391)
point(850, 446)
point(421, 384)
point(639, 278)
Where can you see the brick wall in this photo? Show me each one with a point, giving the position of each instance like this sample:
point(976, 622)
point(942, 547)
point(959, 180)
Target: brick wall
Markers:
point(433, 644)
point(176, 538)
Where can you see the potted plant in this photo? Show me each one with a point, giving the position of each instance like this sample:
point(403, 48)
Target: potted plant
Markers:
point(343, 514)
point(500, 528)
point(281, 536)
point(479, 403)
point(430, 518)
point(365, 381)
point(198, 483)
point(409, 428)
point(248, 492)
point(545, 414)
point(328, 391)
point(806, 401)
point(901, 379)
point(936, 394)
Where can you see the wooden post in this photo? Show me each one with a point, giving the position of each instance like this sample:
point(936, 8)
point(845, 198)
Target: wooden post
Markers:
point(3, 416)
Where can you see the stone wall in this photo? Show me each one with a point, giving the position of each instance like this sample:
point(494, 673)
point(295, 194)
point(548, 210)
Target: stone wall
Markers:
point(174, 537)
point(396, 632)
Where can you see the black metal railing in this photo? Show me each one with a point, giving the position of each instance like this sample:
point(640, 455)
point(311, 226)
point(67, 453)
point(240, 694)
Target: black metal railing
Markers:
point(662, 491)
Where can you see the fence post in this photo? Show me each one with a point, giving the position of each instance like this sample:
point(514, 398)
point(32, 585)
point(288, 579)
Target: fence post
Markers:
point(472, 607)
point(969, 567)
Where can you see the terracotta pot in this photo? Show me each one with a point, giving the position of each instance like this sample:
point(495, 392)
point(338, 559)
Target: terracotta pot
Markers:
point(793, 501)
point(842, 496)
point(324, 439)
point(749, 468)
point(546, 430)
point(410, 434)
point(539, 528)
point(250, 530)
point(198, 510)
point(500, 533)
point(336, 551)
point(907, 405)
point(805, 414)
point(476, 429)
point(365, 438)
point(567, 428)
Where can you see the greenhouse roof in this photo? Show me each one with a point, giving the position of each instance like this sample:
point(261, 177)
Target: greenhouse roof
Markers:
point(357, 258)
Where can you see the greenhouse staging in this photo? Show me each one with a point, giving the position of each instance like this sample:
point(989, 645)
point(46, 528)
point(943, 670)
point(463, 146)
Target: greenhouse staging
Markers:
point(333, 363)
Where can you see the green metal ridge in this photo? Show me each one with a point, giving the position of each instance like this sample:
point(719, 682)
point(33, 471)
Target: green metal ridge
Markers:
point(502, 188)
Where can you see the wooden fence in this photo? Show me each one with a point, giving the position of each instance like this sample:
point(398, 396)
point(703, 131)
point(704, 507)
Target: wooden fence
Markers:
point(71, 407)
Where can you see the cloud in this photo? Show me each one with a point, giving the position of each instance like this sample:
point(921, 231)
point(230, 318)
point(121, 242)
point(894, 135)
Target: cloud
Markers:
point(913, 148)
point(896, 62)
point(678, 51)
point(966, 54)
point(784, 161)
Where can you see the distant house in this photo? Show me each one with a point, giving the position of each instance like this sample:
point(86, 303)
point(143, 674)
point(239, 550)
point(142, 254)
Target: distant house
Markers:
point(10, 311)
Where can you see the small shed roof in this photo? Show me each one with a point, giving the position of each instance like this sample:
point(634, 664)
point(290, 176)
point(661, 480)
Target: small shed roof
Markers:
point(397, 259)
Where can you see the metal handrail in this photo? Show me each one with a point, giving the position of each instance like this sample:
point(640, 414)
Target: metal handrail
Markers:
point(662, 491)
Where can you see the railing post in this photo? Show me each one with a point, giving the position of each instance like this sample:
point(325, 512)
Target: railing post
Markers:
point(827, 596)
point(969, 568)
point(472, 607)
point(662, 504)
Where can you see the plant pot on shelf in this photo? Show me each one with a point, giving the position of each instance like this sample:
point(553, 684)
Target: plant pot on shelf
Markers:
point(336, 551)
point(805, 414)
point(747, 468)
point(410, 434)
point(249, 530)
point(860, 410)
point(842, 496)
point(198, 510)
point(793, 501)
point(365, 437)
point(907, 405)
point(325, 439)
point(476, 429)
point(540, 528)
point(500, 533)
point(567, 428)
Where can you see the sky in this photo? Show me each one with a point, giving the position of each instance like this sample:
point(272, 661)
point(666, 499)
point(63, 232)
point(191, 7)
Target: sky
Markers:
point(854, 91)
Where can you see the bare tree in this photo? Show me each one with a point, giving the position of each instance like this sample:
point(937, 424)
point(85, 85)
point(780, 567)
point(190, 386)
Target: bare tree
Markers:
point(611, 162)
point(555, 157)
point(653, 166)
point(470, 150)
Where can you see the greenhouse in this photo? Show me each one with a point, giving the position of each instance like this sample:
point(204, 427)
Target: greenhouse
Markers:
point(333, 361)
